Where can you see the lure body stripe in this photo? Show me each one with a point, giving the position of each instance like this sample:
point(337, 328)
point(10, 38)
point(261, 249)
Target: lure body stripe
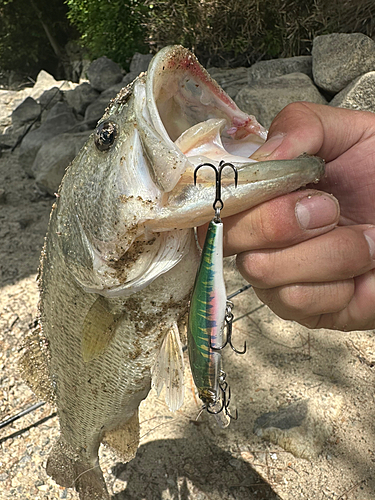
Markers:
point(207, 315)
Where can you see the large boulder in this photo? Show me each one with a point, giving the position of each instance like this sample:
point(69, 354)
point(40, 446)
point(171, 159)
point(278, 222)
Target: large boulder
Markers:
point(265, 100)
point(339, 58)
point(264, 70)
point(95, 110)
point(54, 157)
point(103, 73)
point(55, 124)
point(50, 97)
point(360, 94)
point(27, 112)
point(9, 100)
point(140, 63)
point(60, 108)
point(45, 81)
point(81, 97)
point(231, 80)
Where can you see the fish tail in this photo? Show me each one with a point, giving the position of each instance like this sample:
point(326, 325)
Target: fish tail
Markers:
point(69, 470)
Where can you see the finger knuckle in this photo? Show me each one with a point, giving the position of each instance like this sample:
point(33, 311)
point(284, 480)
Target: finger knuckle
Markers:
point(297, 298)
point(258, 268)
point(348, 254)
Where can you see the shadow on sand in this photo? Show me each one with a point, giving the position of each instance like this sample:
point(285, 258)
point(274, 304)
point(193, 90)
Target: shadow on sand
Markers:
point(186, 469)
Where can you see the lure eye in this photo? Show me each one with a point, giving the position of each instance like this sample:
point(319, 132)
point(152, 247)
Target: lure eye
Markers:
point(105, 135)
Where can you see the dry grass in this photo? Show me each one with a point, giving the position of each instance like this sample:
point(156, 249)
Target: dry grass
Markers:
point(241, 32)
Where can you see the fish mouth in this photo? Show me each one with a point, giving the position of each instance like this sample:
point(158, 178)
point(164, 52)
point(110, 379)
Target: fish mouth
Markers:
point(193, 114)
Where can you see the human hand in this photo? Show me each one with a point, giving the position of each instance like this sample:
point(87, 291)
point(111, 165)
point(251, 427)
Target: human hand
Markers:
point(307, 261)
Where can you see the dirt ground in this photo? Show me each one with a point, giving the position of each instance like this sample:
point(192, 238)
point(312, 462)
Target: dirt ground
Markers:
point(179, 457)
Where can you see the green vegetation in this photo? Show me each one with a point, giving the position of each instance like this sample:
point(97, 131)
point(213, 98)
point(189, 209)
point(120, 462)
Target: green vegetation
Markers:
point(112, 28)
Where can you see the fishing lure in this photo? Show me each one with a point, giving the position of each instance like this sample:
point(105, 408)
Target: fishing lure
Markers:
point(209, 313)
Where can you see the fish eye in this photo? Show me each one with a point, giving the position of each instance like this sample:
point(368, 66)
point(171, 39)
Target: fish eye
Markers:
point(105, 135)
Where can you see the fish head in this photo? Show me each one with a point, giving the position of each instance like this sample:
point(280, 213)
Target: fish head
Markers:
point(128, 202)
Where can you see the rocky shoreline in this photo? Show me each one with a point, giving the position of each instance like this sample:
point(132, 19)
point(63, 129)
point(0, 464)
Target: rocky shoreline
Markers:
point(52, 120)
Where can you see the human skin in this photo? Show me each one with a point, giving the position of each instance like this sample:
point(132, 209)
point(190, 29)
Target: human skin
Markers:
point(310, 255)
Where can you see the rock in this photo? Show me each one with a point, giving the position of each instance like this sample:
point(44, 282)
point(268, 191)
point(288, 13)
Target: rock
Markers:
point(359, 94)
point(302, 427)
point(264, 70)
point(96, 109)
point(9, 138)
point(45, 81)
point(231, 80)
point(9, 100)
point(339, 58)
point(128, 78)
point(50, 97)
point(103, 73)
point(77, 56)
point(140, 63)
point(3, 197)
point(265, 100)
point(81, 97)
point(28, 111)
point(112, 91)
point(58, 109)
point(53, 158)
point(54, 125)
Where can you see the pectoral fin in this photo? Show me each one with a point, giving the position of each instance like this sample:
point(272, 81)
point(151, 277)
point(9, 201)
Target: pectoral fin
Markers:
point(169, 369)
point(98, 330)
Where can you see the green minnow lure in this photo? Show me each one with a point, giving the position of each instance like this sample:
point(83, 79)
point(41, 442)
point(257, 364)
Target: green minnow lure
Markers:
point(209, 313)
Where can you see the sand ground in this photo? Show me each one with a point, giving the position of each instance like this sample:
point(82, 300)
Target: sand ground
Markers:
point(180, 458)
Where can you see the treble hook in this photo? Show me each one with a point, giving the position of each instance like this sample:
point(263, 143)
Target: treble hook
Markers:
point(225, 399)
point(218, 203)
point(228, 321)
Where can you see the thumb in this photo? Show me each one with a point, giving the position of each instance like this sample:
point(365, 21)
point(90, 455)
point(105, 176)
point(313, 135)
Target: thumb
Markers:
point(315, 129)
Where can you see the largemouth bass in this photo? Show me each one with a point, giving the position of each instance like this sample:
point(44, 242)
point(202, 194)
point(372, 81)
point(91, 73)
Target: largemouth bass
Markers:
point(120, 259)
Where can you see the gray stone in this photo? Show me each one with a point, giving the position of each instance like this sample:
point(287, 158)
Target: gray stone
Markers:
point(359, 94)
point(3, 200)
point(265, 100)
point(103, 73)
point(26, 112)
point(58, 109)
point(112, 91)
point(50, 97)
point(339, 58)
point(53, 158)
point(9, 139)
point(9, 100)
point(140, 63)
point(53, 126)
point(301, 428)
point(45, 80)
point(96, 109)
point(128, 78)
point(231, 80)
point(81, 97)
point(264, 70)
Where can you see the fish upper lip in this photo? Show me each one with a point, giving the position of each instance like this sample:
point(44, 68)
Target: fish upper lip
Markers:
point(180, 94)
